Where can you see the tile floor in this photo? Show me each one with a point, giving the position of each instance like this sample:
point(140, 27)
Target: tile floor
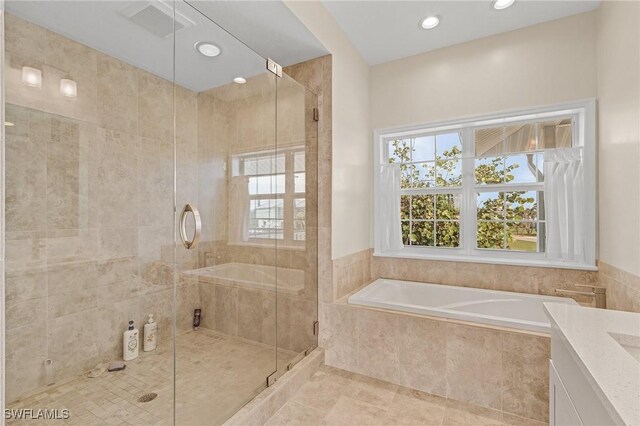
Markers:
point(336, 397)
point(216, 375)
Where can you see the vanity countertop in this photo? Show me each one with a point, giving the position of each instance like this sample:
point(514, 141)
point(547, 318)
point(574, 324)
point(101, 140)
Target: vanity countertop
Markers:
point(606, 346)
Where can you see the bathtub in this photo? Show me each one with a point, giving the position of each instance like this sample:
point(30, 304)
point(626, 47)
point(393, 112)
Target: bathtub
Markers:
point(499, 308)
point(250, 276)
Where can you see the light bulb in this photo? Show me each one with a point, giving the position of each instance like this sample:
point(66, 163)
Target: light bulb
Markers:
point(32, 77)
point(430, 22)
point(502, 4)
point(68, 88)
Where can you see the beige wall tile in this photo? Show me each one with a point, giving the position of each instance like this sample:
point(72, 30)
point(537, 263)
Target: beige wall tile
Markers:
point(378, 345)
point(474, 365)
point(25, 169)
point(250, 314)
point(422, 354)
point(526, 386)
point(154, 106)
point(226, 310)
point(26, 350)
point(339, 330)
point(117, 95)
point(25, 284)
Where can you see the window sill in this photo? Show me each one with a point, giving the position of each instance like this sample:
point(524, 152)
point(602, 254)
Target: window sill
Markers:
point(271, 245)
point(489, 260)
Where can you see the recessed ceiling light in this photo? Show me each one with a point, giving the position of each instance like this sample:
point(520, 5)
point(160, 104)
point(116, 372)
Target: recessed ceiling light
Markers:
point(502, 4)
point(430, 22)
point(208, 49)
point(239, 80)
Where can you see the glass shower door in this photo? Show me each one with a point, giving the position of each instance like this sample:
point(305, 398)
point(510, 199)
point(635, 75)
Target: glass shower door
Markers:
point(297, 133)
point(89, 208)
point(228, 169)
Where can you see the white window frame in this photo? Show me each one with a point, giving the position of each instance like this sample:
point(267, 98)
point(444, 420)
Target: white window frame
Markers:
point(584, 135)
point(288, 197)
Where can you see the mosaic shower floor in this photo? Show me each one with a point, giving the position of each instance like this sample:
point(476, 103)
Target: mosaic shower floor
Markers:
point(216, 374)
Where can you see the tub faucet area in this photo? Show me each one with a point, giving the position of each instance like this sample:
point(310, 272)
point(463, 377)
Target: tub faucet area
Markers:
point(597, 293)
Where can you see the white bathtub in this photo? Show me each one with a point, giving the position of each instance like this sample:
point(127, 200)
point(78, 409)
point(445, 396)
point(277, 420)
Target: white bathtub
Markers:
point(500, 308)
point(257, 277)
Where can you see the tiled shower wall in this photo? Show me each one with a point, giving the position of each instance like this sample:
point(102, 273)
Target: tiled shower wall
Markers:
point(89, 209)
point(90, 206)
point(244, 121)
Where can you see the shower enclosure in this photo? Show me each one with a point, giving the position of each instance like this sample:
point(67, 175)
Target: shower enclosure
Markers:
point(140, 180)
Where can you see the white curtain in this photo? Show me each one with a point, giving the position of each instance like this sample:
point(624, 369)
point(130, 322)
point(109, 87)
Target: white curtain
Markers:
point(239, 209)
point(564, 204)
point(390, 232)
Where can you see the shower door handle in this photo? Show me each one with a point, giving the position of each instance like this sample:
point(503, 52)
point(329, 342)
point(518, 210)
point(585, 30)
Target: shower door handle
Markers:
point(188, 208)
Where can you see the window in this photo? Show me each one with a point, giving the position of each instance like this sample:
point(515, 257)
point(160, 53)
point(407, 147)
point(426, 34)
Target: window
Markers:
point(475, 189)
point(276, 195)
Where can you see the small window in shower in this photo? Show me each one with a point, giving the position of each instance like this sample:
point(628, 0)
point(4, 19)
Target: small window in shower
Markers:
point(273, 207)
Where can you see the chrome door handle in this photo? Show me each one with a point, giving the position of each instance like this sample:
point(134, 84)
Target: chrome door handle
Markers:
point(188, 208)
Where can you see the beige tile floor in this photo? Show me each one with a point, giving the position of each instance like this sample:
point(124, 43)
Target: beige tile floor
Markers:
point(216, 375)
point(335, 397)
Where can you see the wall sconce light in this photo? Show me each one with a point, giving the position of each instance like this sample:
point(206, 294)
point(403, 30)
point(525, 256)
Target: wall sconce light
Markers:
point(69, 88)
point(32, 77)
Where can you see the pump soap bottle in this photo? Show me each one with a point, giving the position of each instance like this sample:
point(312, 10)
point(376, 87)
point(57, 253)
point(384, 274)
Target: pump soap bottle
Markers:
point(130, 343)
point(150, 334)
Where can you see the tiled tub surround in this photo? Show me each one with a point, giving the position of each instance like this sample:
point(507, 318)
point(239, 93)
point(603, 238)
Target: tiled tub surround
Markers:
point(89, 216)
point(354, 271)
point(502, 369)
point(623, 288)
point(493, 367)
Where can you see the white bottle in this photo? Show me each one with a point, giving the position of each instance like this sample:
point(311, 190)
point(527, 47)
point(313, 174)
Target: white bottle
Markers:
point(130, 343)
point(150, 334)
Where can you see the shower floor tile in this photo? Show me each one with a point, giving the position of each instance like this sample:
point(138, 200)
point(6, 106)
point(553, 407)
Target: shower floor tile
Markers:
point(335, 397)
point(216, 375)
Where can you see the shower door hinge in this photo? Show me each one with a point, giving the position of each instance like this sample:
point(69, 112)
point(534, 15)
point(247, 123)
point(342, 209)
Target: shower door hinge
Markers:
point(274, 67)
point(316, 328)
point(271, 379)
point(316, 114)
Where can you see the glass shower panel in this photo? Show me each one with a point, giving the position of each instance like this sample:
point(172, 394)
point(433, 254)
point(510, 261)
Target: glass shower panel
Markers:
point(229, 169)
point(297, 131)
point(89, 207)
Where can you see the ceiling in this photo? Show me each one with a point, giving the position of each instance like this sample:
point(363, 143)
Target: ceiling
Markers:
point(102, 26)
point(383, 31)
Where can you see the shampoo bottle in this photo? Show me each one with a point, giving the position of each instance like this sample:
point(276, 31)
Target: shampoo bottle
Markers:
point(130, 343)
point(150, 334)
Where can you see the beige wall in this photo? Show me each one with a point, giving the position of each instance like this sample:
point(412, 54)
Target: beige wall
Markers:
point(352, 149)
point(539, 65)
point(618, 65)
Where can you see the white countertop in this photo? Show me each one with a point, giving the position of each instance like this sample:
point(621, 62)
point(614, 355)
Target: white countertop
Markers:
point(613, 372)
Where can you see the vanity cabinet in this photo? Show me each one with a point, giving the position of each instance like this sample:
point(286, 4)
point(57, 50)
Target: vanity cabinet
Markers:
point(561, 409)
point(572, 399)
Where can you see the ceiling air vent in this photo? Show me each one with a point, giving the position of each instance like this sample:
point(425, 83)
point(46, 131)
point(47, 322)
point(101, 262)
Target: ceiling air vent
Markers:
point(155, 17)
